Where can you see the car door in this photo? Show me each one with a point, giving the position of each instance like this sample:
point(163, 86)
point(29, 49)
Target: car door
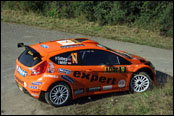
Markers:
point(106, 69)
point(68, 66)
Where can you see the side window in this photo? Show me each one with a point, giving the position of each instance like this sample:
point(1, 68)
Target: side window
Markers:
point(123, 61)
point(99, 57)
point(68, 58)
point(89, 57)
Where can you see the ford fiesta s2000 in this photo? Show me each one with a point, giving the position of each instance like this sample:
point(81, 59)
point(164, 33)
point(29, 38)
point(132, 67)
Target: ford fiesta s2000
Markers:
point(66, 69)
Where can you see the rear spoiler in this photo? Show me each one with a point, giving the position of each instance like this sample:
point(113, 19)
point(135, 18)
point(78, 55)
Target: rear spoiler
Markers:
point(20, 45)
point(34, 52)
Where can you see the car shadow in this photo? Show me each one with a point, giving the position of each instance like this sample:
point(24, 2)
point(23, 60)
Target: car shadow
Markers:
point(161, 81)
point(162, 78)
point(93, 98)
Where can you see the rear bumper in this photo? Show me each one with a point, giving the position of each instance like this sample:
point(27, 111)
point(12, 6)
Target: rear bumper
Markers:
point(25, 87)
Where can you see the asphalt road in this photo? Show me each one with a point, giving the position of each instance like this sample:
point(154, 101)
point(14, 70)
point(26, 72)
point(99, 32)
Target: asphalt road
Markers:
point(13, 101)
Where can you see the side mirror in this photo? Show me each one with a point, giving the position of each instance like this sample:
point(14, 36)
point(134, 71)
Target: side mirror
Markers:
point(20, 45)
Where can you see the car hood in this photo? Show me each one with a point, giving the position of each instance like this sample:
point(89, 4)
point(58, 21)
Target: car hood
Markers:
point(131, 56)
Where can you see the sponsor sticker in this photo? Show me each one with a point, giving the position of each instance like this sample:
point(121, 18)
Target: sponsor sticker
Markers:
point(25, 84)
point(52, 76)
point(69, 63)
point(94, 77)
point(67, 78)
point(121, 83)
point(36, 83)
point(29, 68)
point(79, 91)
point(51, 68)
point(40, 79)
point(34, 94)
point(66, 71)
point(44, 46)
point(35, 91)
point(115, 69)
point(21, 72)
point(107, 87)
point(93, 89)
point(68, 42)
point(69, 46)
point(33, 87)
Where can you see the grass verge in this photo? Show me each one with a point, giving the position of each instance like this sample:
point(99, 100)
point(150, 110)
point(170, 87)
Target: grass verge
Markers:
point(117, 32)
point(159, 101)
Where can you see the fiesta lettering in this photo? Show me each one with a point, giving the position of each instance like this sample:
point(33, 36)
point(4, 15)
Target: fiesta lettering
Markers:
point(94, 78)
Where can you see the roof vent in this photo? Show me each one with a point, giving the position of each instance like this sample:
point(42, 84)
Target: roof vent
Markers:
point(81, 39)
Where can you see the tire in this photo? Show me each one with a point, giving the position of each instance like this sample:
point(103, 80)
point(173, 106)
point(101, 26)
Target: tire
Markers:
point(140, 82)
point(58, 94)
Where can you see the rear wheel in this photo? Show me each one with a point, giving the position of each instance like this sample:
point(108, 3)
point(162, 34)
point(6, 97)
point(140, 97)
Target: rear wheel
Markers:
point(58, 95)
point(140, 82)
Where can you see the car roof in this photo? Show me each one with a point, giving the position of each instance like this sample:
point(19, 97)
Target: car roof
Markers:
point(64, 44)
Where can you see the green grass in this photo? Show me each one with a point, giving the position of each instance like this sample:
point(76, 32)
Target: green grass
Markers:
point(159, 101)
point(116, 32)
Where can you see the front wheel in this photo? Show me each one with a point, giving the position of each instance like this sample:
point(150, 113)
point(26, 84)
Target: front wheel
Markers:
point(58, 95)
point(140, 82)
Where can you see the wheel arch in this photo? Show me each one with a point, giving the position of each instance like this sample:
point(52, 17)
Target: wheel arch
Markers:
point(57, 82)
point(143, 69)
point(60, 81)
point(147, 70)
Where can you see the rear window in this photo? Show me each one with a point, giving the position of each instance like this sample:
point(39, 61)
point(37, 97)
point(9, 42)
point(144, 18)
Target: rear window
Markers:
point(27, 58)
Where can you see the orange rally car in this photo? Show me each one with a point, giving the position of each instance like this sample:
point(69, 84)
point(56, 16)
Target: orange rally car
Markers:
point(67, 69)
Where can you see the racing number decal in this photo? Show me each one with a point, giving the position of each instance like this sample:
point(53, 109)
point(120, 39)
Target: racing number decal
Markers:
point(74, 58)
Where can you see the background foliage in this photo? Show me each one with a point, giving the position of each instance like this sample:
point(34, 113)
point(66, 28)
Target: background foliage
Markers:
point(153, 15)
